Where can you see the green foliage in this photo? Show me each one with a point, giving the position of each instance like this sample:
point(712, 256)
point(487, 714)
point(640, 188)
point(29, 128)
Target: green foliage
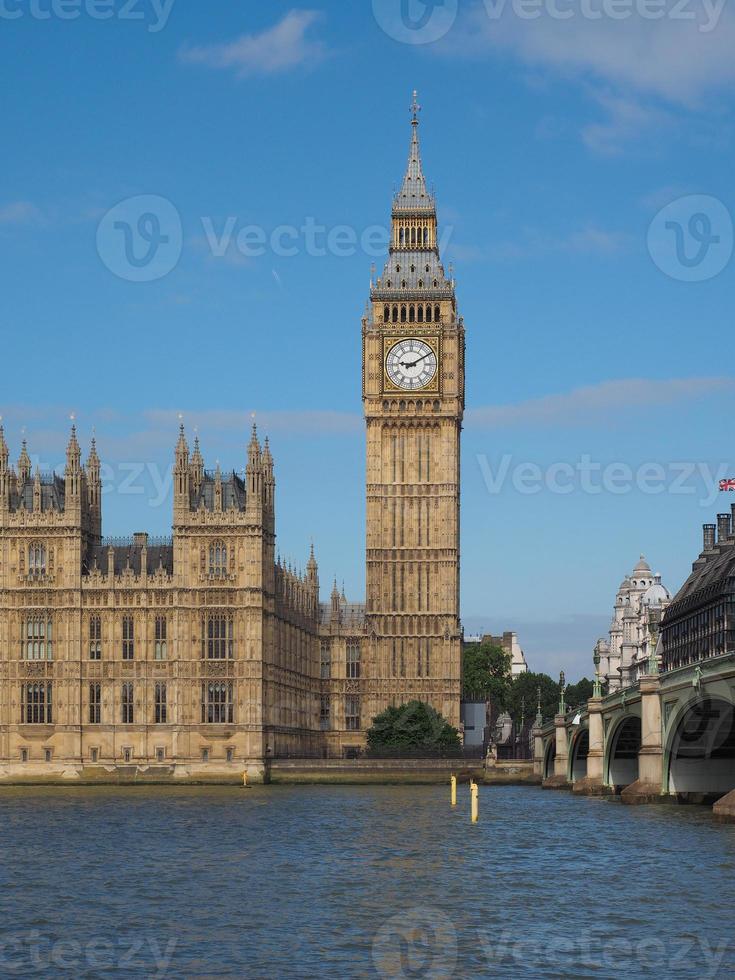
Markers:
point(413, 726)
point(579, 694)
point(524, 688)
point(486, 673)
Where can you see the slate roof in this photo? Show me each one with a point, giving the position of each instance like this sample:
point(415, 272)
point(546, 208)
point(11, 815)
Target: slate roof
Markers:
point(53, 493)
point(710, 580)
point(234, 494)
point(129, 554)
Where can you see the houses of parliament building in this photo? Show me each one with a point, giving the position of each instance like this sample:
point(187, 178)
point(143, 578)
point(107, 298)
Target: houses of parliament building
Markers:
point(202, 654)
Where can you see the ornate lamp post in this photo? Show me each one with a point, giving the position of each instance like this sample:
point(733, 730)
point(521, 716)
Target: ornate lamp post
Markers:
point(562, 693)
point(597, 689)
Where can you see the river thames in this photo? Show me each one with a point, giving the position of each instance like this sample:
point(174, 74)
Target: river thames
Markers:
point(359, 882)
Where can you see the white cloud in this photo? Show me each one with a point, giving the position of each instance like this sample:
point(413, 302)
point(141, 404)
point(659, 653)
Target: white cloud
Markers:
point(280, 48)
point(19, 213)
point(627, 119)
point(675, 58)
point(597, 403)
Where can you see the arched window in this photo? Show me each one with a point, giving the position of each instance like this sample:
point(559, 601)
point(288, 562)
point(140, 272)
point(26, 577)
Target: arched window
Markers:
point(386, 314)
point(36, 558)
point(412, 314)
point(437, 314)
point(218, 559)
point(395, 314)
point(95, 638)
point(421, 314)
point(403, 236)
point(403, 314)
point(428, 314)
point(426, 236)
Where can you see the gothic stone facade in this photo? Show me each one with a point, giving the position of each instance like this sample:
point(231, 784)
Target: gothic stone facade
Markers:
point(202, 654)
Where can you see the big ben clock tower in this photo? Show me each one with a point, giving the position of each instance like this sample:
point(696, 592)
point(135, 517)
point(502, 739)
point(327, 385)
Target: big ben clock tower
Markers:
point(413, 393)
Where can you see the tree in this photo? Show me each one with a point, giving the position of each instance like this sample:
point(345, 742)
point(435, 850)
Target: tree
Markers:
point(579, 694)
point(413, 727)
point(523, 696)
point(486, 673)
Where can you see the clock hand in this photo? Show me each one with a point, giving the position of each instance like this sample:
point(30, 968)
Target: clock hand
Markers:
point(406, 364)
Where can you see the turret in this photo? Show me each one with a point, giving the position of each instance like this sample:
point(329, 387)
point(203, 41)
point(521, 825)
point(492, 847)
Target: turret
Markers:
point(37, 492)
point(73, 472)
point(312, 573)
point(197, 467)
point(336, 603)
point(218, 489)
point(269, 480)
point(254, 472)
point(181, 473)
point(24, 465)
point(94, 490)
point(4, 472)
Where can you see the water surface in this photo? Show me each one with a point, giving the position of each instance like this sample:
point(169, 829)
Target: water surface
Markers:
point(359, 882)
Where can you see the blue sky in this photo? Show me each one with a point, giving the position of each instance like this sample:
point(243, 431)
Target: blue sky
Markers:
point(553, 145)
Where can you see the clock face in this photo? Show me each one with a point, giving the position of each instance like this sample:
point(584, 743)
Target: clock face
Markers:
point(411, 364)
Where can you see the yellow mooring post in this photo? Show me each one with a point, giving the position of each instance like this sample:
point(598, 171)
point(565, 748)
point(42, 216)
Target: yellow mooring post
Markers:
point(474, 802)
point(245, 780)
point(454, 790)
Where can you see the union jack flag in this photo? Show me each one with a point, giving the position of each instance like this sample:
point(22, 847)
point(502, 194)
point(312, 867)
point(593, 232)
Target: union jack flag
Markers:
point(727, 485)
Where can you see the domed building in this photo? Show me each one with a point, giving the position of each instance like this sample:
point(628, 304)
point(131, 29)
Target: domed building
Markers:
point(639, 606)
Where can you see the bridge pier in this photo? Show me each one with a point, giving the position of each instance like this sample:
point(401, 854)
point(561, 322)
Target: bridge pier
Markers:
point(724, 809)
point(559, 780)
point(648, 788)
point(538, 753)
point(592, 784)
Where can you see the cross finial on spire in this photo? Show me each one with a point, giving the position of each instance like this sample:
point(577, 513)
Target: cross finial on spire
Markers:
point(415, 108)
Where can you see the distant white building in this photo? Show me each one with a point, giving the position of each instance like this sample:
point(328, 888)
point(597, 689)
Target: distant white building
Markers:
point(509, 643)
point(639, 606)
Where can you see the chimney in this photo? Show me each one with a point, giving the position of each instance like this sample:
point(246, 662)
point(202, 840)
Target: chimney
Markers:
point(723, 528)
point(709, 537)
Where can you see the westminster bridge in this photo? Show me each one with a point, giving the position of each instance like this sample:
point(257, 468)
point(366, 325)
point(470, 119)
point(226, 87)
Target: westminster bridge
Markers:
point(670, 737)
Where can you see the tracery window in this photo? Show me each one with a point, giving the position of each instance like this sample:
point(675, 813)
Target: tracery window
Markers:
point(217, 703)
point(352, 713)
point(95, 703)
point(128, 638)
point(161, 704)
point(353, 660)
point(128, 706)
point(218, 641)
point(37, 638)
point(161, 648)
point(95, 638)
point(35, 704)
point(36, 559)
point(218, 559)
point(326, 660)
